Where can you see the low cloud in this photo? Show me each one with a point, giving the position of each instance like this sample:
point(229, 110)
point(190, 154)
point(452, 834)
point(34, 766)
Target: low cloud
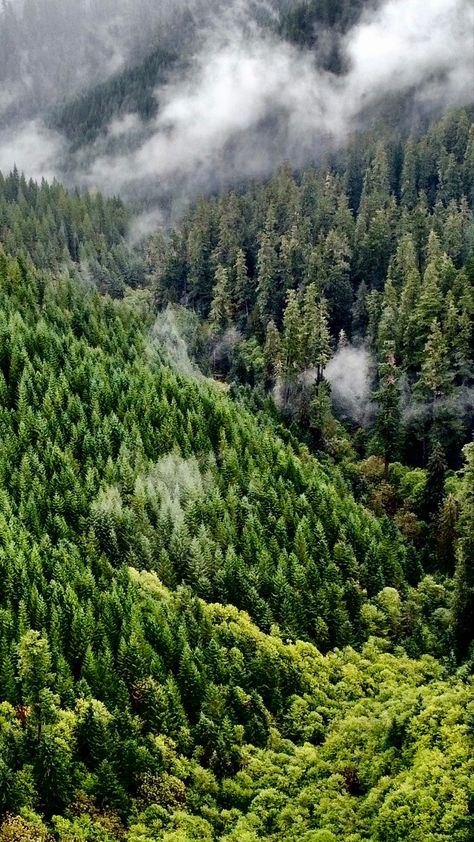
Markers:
point(251, 101)
point(125, 125)
point(248, 100)
point(350, 374)
point(174, 483)
point(144, 224)
point(33, 149)
point(52, 49)
point(459, 403)
point(168, 344)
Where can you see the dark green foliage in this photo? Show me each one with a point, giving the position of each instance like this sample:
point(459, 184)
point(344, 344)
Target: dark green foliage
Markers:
point(464, 577)
point(83, 118)
point(112, 464)
point(388, 398)
point(106, 463)
point(394, 269)
point(174, 562)
point(57, 229)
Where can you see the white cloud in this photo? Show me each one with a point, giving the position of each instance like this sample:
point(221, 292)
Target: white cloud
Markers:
point(250, 101)
point(33, 149)
point(350, 374)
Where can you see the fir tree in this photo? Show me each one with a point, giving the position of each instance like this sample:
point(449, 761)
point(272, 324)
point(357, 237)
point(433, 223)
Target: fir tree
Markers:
point(389, 414)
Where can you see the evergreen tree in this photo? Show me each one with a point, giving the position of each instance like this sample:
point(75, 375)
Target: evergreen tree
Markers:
point(435, 477)
point(272, 352)
point(389, 414)
point(221, 307)
point(266, 274)
point(315, 337)
point(34, 671)
point(446, 534)
point(436, 375)
point(242, 290)
point(291, 350)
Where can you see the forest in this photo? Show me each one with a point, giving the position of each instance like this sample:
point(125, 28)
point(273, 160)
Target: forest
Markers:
point(237, 478)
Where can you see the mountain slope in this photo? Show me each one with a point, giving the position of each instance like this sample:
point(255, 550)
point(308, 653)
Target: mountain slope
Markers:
point(316, 25)
point(379, 247)
point(236, 483)
point(117, 692)
point(248, 511)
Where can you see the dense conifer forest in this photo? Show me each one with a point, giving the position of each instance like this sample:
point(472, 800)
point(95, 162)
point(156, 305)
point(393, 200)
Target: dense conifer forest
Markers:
point(237, 479)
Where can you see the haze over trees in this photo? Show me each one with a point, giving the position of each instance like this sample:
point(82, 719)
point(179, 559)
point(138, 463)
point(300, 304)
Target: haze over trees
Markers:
point(236, 462)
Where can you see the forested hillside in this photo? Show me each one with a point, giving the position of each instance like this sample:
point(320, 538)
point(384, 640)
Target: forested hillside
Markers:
point(130, 699)
point(133, 89)
point(56, 229)
point(236, 428)
point(84, 117)
point(359, 274)
point(376, 250)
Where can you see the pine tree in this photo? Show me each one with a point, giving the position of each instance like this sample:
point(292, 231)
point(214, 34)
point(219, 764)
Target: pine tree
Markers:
point(266, 274)
point(388, 425)
point(409, 177)
point(321, 422)
point(291, 260)
point(436, 376)
point(428, 308)
point(189, 681)
point(221, 307)
point(407, 326)
point(388, 324)
point(291, 350)
point(446, 534)
point(435, 478)
point(342, 340)
point(242, 288)
point(320, 341)
point(34, 671)
point(199, 276)
point(272, 352)
point(360, 312)
point(462, 340)
point(333, 279)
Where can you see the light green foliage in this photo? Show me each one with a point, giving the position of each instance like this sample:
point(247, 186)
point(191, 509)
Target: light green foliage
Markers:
point(206, 632)
point(108, 461)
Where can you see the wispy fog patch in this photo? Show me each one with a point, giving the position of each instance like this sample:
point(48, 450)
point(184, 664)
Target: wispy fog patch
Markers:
point(350, 374)
point(34, 150)
point(125, 125)
point(167, 342)
point(144, 224)
point(169, 486)
point(223, 349)
point(410, 43)
point(459, 403)
point(174, 482)
point(50, 49)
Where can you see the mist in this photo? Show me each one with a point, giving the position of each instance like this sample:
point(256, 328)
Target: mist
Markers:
point(173, 483)
point(248, 100)
point(350, 374)
point(169, 486)
point(251, 101)
point(167, 343)
point(52, 49)
point(33, 149)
